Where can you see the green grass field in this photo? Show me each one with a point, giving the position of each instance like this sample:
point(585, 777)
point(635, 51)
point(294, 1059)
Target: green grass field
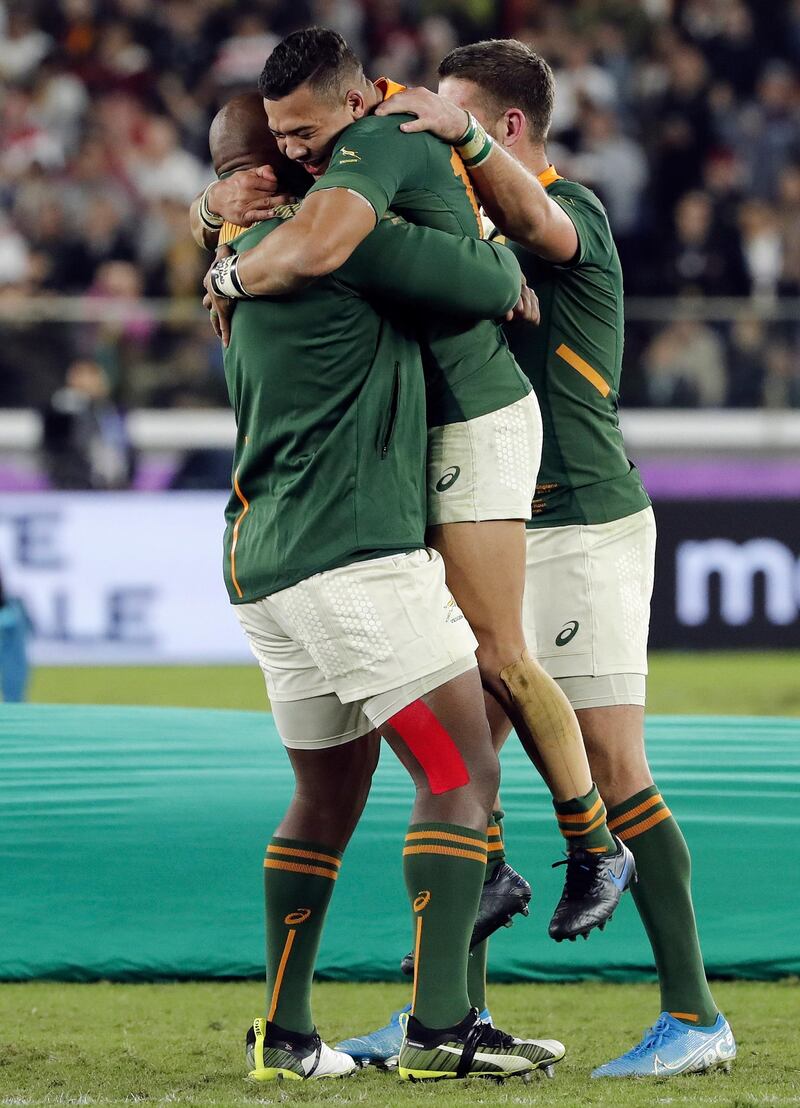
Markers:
point(122, 1044)
point(764, 684)
point(182, 1044)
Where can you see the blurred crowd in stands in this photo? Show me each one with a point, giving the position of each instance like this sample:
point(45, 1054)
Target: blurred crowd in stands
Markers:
point(684, 115)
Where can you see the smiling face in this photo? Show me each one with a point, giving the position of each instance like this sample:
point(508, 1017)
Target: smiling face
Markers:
point(308, 121)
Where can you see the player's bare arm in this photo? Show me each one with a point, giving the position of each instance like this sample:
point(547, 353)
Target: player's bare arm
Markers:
point(244, 198)
point(319, 239)
point(509, 193)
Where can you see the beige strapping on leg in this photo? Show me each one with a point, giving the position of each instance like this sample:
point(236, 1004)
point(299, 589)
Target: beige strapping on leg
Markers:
point(552, 721)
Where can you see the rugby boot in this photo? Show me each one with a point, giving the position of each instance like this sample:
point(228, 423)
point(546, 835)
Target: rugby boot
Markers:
point(382, 1047)
point(274, 1054)
point(504, 894)
point(592, 890)
point(670, 1047)
point(472, 1049)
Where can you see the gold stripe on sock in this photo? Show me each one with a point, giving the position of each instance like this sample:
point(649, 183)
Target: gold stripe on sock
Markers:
point(447, 836)
point(645, 825)
point(601, 819)
point(494, 832)
point(494, 846)
point(637, 811)
point(417, 944)
point(692, 1017)
point(297, 867)
point(449, 851)
point(287, 947)
point(294, 852)
point(581, 817)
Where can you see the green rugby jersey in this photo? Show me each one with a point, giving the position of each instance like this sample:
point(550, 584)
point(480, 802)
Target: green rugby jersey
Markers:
point(329, 398)
point(573, 359)
point(424, 181)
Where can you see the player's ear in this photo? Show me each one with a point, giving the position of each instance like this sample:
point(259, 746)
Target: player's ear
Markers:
point(514, 126)
point(356, 104)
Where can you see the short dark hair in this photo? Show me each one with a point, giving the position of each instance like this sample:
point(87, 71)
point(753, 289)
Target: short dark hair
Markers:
point(314, 54)
point(511, 75)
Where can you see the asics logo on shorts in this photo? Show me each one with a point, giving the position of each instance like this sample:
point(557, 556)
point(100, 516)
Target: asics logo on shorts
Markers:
point(567, 633)
point(448, 478)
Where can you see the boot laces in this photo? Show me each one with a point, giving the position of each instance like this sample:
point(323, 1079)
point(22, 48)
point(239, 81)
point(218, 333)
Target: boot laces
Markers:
point(661, 1032)
point(492, 1036)
point(581, 873)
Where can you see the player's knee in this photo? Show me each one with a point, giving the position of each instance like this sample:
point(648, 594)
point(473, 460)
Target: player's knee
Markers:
point(617, 770)
point(494, 654)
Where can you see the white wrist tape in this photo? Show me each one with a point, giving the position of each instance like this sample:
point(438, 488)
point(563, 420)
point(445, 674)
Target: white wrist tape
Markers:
point(225, 279)
point(209, 219)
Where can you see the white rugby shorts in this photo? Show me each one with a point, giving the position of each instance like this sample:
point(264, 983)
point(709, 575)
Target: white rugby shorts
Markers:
point(485, 468)
point(586, 610)
point(357, 644)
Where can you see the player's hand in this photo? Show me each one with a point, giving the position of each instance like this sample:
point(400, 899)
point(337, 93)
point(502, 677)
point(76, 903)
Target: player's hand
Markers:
point(526, 308)
point(435, 114)
point(247, 197)
point(220, 308)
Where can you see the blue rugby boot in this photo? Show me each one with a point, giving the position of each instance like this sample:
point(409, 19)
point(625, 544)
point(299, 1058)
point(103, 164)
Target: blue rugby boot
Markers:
point(593, 889)
point(670, 1047)
point(382, 1047)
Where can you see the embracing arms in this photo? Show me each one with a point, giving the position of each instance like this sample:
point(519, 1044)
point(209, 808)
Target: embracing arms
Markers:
point(511, 195)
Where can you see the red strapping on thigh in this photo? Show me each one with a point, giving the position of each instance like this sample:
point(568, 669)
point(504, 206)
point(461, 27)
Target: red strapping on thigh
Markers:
point(432, 746)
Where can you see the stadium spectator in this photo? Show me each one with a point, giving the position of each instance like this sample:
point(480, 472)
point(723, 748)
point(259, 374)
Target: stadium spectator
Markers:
point(789, 217)
point(702, 257)
point(13, 648)
point(685, 367)
point(746, 364)
point(106, 106)
point(84, 438)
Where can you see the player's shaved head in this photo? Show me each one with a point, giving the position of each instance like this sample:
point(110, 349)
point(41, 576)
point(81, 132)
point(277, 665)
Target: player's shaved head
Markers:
point(240, 138)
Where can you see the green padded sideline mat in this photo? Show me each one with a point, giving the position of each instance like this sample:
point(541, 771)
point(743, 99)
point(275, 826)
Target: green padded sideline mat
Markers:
point(132, 842)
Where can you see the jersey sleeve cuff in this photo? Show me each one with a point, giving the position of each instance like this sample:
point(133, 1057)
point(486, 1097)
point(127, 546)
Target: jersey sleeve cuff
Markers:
point(367, 190)
point(578, 256)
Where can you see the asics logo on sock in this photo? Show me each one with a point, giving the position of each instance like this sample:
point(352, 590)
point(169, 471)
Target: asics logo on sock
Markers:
point(448, 478)
point(567, 633)
point(421, 901)
point(300, 915)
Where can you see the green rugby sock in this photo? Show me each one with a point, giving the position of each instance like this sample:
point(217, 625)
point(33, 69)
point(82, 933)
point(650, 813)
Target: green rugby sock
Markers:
point(479, 956)
point(664, 901)
point(444, 867)
point(298, 885)
point(582, 822)
point(476, 975)
point(495, 844)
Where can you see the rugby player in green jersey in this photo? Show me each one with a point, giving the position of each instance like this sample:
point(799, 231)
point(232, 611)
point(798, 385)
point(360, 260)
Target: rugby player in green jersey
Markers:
point(483, 449)
point(591, 540)
point(350, 618)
